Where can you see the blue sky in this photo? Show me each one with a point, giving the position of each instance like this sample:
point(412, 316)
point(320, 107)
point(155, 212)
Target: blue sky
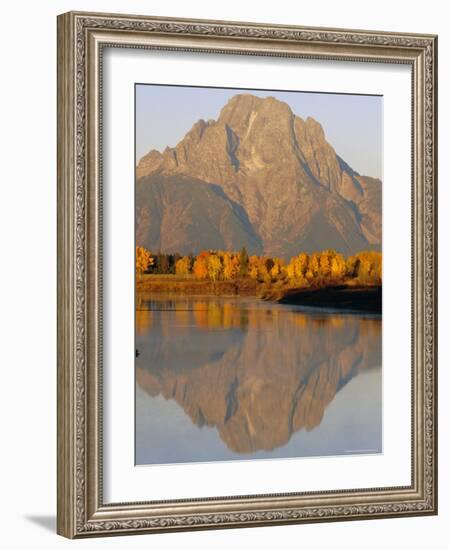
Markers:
point(352, 123)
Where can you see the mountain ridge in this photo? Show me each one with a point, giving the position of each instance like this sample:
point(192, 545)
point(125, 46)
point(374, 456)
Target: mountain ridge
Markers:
point(272, 183)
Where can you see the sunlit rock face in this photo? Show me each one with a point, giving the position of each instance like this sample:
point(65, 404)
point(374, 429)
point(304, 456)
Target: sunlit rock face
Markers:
point(262, 376)
point(261, 177)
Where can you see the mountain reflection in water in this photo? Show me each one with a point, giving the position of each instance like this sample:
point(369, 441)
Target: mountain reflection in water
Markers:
point(255, 372)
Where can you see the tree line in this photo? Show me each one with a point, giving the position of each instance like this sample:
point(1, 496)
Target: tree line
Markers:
point(315, 269)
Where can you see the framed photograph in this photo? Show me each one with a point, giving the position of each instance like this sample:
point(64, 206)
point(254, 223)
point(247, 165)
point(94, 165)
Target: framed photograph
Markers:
point(246, 274)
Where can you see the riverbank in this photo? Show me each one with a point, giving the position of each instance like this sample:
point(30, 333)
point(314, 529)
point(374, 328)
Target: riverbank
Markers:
point(343, 297)
point(171, 284)
point(353, 298)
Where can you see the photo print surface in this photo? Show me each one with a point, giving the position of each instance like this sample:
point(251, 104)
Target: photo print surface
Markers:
point(258, 323)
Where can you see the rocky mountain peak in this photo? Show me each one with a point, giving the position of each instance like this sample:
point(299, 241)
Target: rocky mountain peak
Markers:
point(315, 128)
point(242, 109)
point(279, 172)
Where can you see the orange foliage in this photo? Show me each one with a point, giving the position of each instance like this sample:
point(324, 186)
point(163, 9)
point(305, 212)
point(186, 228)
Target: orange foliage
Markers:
point(200, 269)
point(323, 268)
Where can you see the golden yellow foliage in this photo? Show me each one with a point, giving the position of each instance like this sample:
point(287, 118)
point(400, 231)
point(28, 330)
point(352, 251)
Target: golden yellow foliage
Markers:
point(183, 265)
point(338, 267)
point(214, 267)
point(231, 266)
point(144, 260)
point(298, 265)
point(253, 267)
point(314, 264)
point(322, 268)
point(366, 267)
point(278, 268)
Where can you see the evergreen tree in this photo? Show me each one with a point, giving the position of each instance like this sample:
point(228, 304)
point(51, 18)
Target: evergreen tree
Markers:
point(164, 264)
point(244, 262)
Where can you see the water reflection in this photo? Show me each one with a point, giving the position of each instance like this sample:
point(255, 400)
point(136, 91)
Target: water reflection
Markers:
point(257, 373)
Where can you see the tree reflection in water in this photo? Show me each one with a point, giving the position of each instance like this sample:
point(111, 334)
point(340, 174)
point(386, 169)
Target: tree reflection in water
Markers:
point(256, 372)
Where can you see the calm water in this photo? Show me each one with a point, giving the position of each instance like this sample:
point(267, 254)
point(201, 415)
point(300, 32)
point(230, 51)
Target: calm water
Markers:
point(239, 378)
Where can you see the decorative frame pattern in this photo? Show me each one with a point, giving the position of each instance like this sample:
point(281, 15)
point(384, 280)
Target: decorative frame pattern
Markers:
point(81, 38)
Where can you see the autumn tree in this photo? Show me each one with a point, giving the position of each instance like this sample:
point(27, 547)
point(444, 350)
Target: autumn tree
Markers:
point(352, 267)
point(338, 267)
point(200, 268)
point(314, 265)
point(377, 268)
point(183, 266)
point(214, 267)
point(257, 268)
point(320, 268)
point(297, 269)
point(253, 264)
point(278, 269)
point(325, 258)
point(365, 267)
point(364, 270)
point(231, 265)
point(144, 260)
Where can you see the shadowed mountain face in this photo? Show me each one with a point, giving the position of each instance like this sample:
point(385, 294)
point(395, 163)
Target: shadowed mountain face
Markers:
point(258, 177)
point(260, 375)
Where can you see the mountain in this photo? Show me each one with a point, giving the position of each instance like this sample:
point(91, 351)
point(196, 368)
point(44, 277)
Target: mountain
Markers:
point(261, 177)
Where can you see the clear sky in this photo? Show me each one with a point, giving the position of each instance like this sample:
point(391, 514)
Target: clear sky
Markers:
point(352, 123)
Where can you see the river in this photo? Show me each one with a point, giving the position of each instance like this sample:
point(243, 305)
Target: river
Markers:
point(221, 378)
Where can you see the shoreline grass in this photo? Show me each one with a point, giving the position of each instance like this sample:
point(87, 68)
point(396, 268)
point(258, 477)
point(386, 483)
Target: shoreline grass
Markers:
point(339, 296)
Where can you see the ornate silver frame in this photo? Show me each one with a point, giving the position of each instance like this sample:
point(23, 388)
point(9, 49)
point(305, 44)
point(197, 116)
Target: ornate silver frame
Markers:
point(81, 38)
